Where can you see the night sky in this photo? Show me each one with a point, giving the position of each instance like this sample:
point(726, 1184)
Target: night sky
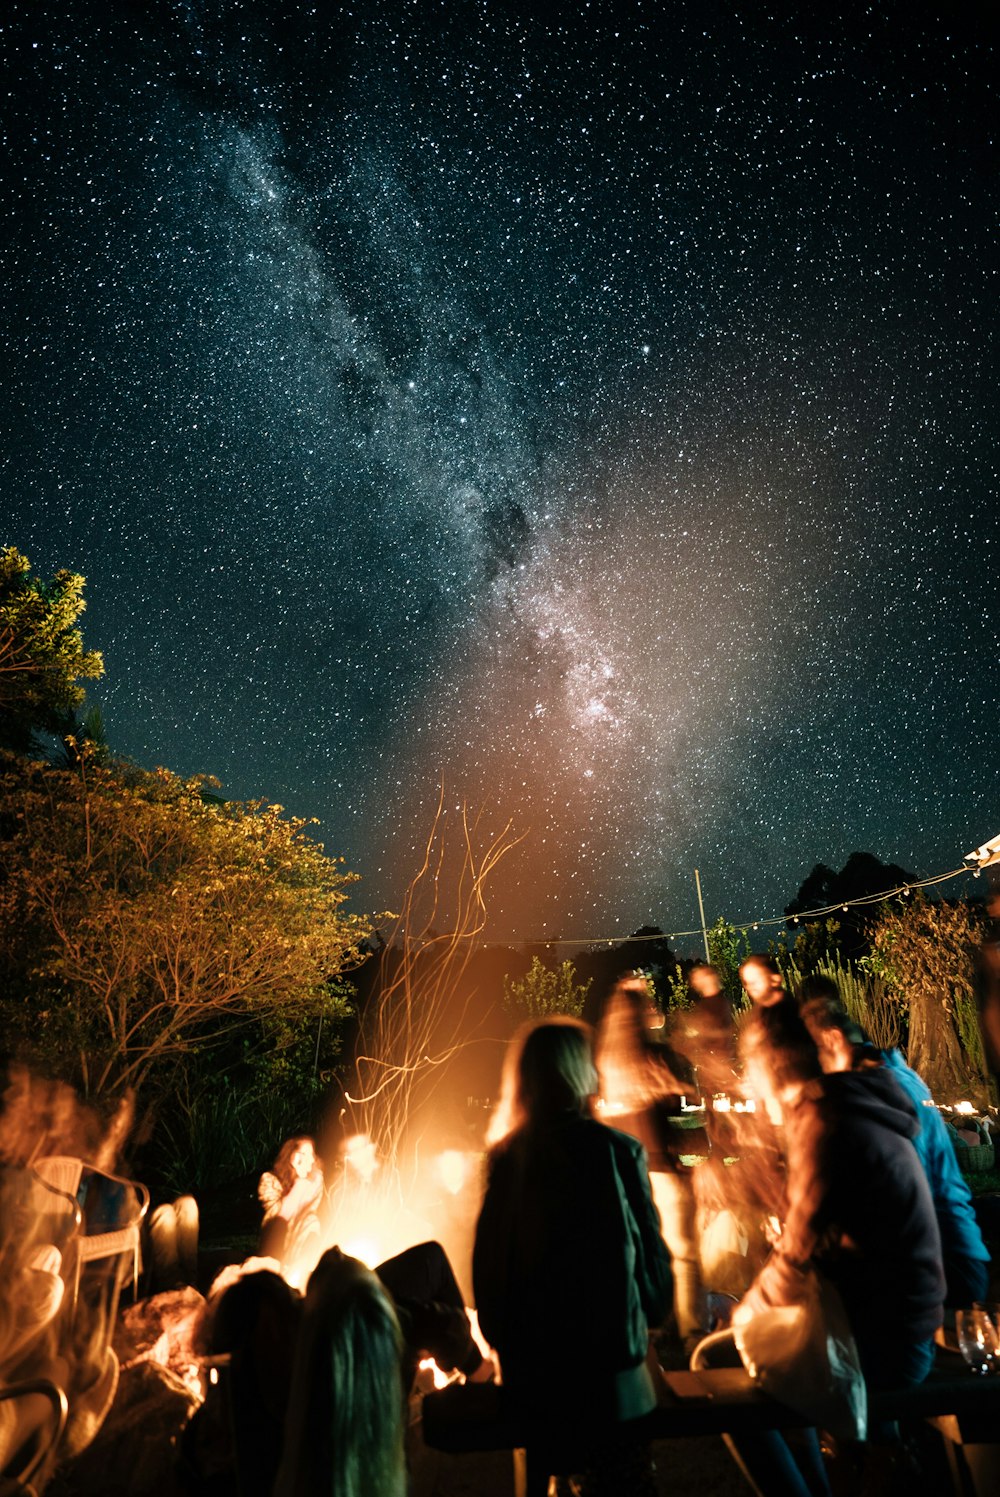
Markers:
point(596, 411)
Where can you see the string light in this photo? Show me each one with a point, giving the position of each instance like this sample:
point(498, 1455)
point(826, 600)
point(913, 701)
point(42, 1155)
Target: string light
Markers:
point(862, 901)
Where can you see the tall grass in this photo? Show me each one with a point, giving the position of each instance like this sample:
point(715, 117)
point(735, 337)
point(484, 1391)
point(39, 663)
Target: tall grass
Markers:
point(216, 1134)
point(865, 997)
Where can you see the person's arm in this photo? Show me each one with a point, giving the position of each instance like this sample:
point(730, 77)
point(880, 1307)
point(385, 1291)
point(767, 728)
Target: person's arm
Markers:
point(782, 1279)
point(652, 1269)
point(300, 1195)
point(490, 1256)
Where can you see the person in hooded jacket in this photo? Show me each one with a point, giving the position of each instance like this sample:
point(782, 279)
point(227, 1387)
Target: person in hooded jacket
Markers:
point(844, 1046)
point(858, 1209)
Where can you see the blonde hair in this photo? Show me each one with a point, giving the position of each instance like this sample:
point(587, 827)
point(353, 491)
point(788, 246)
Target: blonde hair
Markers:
point(548, 1069)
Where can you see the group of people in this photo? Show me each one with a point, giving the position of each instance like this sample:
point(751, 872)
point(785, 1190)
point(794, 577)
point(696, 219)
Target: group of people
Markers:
point(869, 1194)
point(588, 1232)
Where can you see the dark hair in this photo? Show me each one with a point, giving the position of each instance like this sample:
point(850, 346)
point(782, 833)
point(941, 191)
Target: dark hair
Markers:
point(345, 1424)
point(777, 1038)
point(818, 986)
point(821, 1012)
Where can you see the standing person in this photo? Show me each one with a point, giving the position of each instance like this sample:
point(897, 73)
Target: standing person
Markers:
point(709, 1028)
point(858, 1209)
point(642, 1083)
point(730, 1184)
point(569, 1267)
point(762, 981)
point(844, 1046)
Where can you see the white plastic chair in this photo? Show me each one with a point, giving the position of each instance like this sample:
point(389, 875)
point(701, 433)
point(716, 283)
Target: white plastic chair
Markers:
point(30, 1435)
point(64, 1172)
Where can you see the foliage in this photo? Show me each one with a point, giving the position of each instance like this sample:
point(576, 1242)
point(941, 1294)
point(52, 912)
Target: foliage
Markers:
point(728, 947)
point(42, 657)
point(545, 990)
point(817, 942)
point(673, 994)
point(863, 994)
point(862, 876)
point(924, 952)
point(142, 925)
point(221, 1127)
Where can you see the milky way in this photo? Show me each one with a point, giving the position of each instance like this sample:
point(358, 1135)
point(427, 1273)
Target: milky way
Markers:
point(593, 412)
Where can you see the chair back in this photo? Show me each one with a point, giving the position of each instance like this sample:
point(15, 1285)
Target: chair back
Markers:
point(61, 1171)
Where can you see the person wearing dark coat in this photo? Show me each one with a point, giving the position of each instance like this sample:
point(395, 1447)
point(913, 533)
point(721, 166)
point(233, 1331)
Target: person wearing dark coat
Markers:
point(843, 1046)
point(858, 1209)
point(569, 1268)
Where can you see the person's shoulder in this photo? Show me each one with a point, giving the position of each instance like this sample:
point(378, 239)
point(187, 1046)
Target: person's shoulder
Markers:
point(905, 1076)
point(618, 1142)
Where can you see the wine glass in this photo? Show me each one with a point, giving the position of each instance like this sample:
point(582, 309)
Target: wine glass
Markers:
point(978, 1340)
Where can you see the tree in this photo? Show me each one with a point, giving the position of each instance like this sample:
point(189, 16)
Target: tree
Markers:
point(861, 876)
point(728, 948)
point(925, 953)
point(141, 924)
point(42, 657)
point(544, 991)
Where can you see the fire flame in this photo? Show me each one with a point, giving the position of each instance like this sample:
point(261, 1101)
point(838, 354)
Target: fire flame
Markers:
point(453, 1170)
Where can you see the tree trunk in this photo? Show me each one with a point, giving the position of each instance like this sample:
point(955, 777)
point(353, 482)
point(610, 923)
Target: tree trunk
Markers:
point(935, 1051)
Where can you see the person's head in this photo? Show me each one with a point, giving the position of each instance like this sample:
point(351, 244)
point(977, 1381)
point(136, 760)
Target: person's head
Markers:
point(818, 986)
point(549, 1070)
point(837, 1038)
point(704, 980)
point(628, 1013)
point(296, 1161)
point(761, 979)
point(779, 1056)
point(345, 1424)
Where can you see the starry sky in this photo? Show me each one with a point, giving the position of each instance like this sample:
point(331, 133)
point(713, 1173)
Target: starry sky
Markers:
point(592, 410)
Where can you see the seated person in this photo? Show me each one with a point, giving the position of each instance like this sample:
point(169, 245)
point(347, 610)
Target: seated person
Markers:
point(346, 1408)
point(292, 1195)
point(256, 1318)
point(431, 1313)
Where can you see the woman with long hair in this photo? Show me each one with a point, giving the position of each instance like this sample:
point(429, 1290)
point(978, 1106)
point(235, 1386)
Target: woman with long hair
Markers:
point(569, 1267)
point(346, 1408)
point(291, 1193)
point(642, 1083)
